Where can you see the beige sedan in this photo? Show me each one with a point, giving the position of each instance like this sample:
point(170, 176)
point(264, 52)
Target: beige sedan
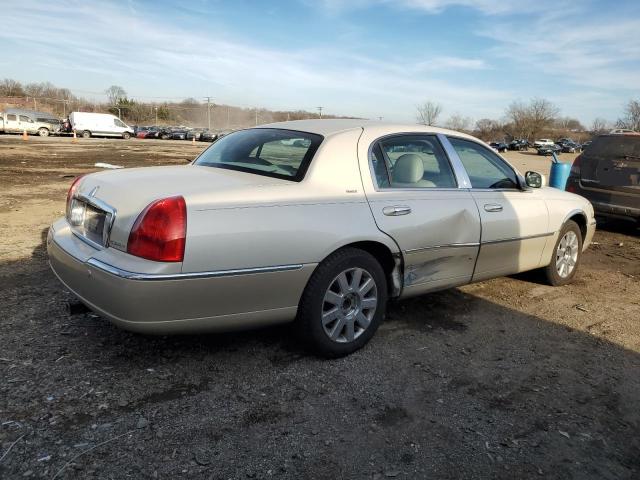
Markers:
point(319, 222)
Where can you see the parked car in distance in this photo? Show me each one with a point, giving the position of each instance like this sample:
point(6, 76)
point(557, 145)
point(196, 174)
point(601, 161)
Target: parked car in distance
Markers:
point(543, 142)
point(622, 131)
point(16, 120)
point(178, 135)
point(570, 147)
point(359, 221)
point(549, 149)
point(607, 173)
point(499, 146)
point(519, 145)
point(89, 125)
point(208, 136)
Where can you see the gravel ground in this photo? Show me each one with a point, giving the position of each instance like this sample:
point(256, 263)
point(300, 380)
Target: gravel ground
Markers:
point(506, 379)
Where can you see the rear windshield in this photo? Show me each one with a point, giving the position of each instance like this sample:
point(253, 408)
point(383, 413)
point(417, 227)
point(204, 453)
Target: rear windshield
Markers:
point(272, 152)
point(615, 146)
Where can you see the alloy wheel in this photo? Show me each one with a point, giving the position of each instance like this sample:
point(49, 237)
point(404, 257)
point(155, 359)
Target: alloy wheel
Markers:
point(567, 254)
point(349, 305)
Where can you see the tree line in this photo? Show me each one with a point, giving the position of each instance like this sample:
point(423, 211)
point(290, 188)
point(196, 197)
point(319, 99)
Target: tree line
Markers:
point(536, 119)
point(190, 111)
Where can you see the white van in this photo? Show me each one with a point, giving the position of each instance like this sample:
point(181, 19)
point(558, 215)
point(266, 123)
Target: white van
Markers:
point(99, 125)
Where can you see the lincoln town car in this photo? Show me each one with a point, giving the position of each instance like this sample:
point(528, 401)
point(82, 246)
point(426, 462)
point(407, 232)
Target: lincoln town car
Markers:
point(315, 222)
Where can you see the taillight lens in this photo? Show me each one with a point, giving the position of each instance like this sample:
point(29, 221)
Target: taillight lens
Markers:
point(72, 191)
point(159, 232)
point(575, 166)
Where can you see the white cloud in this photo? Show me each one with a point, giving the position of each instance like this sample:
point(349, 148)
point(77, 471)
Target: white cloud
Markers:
point(130, 49)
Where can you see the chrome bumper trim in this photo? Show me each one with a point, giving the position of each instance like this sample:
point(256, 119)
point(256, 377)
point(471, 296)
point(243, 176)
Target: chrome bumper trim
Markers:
point(185, 276)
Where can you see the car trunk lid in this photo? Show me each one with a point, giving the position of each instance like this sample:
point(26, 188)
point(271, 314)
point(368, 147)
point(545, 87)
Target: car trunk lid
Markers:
point(113, 200)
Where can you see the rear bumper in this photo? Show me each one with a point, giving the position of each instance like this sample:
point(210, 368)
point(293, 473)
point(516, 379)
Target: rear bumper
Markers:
point(170, 304)
point(608, 203)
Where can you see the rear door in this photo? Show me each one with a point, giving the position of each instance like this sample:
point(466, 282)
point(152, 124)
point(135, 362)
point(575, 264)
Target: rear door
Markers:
point(11, 123)
point(419, 201)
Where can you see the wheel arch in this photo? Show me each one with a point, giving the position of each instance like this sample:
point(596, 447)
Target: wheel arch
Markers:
point(391, 262)
point(580, 218)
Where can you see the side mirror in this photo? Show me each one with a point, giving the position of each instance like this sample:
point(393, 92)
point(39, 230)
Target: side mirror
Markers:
point(534, 179)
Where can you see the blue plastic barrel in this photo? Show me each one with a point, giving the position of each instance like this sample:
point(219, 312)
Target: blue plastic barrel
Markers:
point(559, 175)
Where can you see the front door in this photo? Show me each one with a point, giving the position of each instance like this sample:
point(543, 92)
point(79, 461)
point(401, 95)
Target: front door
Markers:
point(415, 198)
point(515, 221)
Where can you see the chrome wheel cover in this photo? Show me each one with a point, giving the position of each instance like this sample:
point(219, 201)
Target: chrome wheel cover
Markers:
point(567, 254)
point(349, 305)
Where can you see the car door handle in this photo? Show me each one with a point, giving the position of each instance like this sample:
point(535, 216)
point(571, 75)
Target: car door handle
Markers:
point(493, 207)
point(395, 211)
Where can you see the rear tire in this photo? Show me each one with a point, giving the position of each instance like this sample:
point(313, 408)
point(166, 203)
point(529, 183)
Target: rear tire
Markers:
point(86, 134)
point(43, 132)
point(343, 303)
point(567, 253)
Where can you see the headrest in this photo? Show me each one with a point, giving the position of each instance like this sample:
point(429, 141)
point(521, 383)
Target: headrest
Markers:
point(408, 168)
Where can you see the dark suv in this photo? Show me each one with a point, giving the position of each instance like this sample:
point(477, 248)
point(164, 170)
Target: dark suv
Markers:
point(607, 173)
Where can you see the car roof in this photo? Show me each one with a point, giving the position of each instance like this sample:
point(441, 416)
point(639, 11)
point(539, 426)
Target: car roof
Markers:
point(327, 127)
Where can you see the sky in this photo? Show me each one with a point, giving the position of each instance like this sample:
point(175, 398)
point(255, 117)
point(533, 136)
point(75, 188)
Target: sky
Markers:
point(365, 58)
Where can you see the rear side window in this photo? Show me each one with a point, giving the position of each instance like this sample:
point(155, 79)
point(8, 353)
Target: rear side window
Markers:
point(412, 161)
point(11, 118)
point(272, 152)
point(485, 168)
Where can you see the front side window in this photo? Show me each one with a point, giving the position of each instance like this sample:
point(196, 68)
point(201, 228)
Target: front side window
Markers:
point(118, 123)
point(412, 161)
point(272, 152)
point(485, 168)
point(24, 118)
point(11, 118)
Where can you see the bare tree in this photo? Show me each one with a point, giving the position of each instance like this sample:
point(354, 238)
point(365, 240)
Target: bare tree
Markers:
point(599, 126)
point(529, 121)
point(428, 112)
point(631, 119)
point(486, 128)
point(11, 88)
point(542, 114)
point(458, 122)
point(115, 93)
point(517, 114)
point(568, 123)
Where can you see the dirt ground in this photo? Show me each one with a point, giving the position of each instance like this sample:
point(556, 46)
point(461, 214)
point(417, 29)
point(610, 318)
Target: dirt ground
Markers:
point(505, 379)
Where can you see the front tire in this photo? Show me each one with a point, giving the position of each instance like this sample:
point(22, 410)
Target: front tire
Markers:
point(567, 254)
point(343, 303)
point(126, 135)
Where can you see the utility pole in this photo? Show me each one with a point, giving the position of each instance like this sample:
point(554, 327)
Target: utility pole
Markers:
point(256, 115)
point(228, 118)
point(320, 111)
point(156, 109)
point(208, 112)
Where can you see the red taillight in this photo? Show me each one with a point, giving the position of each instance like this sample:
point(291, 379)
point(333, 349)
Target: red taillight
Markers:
point(575, 166)
point(160, 231)
point(72, 191)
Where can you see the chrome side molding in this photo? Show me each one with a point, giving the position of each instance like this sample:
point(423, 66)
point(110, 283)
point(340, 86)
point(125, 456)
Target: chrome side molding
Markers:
point(105, 267)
